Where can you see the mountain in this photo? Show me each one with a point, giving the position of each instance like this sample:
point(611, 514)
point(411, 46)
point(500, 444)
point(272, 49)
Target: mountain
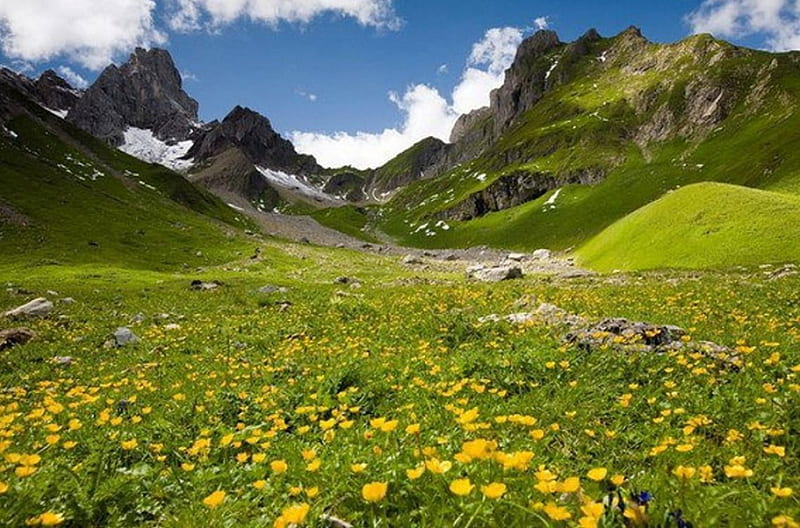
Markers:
point(141, 108)
point(582, 134)
point(245, 160)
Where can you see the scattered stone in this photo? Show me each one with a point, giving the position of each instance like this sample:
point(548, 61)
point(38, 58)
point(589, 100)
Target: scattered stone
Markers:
point(138, 318)
point(516, 257)
point(172, 326)
point(199, 285)
point(15, 336)
point(36, 308)
point(496, 274)
point(67, 300)
point(52, 293)
point(474, 269)
point(429, 254)
point(124, 336)
point(542, 254)
point(340, 246)
point(619, 334)
point(451, 257)
point(412, 260)
point(343, 280)
point(304, 240)
point(63, 360)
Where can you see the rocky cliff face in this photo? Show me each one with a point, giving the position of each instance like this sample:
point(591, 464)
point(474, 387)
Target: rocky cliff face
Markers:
point(515, 189)
point(146, 92)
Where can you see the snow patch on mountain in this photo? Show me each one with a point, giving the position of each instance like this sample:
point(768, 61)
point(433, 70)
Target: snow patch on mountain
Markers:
point(293, 183)
point(60, 113)
point(143, 144)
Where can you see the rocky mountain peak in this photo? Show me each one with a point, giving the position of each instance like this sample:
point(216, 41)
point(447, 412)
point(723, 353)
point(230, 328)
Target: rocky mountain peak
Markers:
point(536, 45)
point(253, 135)
point(146, 92)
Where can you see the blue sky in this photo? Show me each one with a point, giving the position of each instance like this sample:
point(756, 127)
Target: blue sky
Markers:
point(327, 71)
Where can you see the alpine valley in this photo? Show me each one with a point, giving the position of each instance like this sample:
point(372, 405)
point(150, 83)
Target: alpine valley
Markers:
point(582, 310)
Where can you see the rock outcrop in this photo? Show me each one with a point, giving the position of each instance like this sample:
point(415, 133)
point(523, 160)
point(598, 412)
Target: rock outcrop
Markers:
point(515, 189)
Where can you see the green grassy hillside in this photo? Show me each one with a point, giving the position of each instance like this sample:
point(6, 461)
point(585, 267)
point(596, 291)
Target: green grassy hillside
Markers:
point(706, 225)
point(68, 198)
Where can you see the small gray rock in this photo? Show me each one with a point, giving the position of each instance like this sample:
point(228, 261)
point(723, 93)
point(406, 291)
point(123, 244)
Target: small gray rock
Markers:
point(124, 336)
point(412, 260)
point(542, 254)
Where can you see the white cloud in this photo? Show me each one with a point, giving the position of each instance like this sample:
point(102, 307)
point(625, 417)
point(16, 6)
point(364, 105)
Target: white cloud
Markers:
point(443, 69)
point(778, 21)
point(306, 95)
point(192, 15)
point(81, 30)
point(73, 77)
point(542, 23)
point(425, 111)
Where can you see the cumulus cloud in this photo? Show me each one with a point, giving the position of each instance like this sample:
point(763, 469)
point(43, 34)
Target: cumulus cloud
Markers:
point(80, 30)
point(425, 111)
point(192, 15)
point(91, 33)
point(73, 77)
point(542, 23)
point(777, 20)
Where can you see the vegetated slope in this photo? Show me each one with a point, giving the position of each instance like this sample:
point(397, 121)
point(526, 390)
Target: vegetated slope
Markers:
point(66, 197)
point(617, 123)
point(706, 225)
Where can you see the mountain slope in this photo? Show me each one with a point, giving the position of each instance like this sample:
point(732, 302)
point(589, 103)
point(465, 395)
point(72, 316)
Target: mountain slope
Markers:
point(67, 197)
point(706, 225)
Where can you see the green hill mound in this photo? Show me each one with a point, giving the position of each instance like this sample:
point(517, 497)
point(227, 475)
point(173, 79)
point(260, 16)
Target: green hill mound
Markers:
point(705, 225)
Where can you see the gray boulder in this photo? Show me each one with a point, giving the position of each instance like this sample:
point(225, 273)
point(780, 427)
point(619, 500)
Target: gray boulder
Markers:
point(542, 254)
point(36, 308)
point(412, 260)
point(496, 274)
